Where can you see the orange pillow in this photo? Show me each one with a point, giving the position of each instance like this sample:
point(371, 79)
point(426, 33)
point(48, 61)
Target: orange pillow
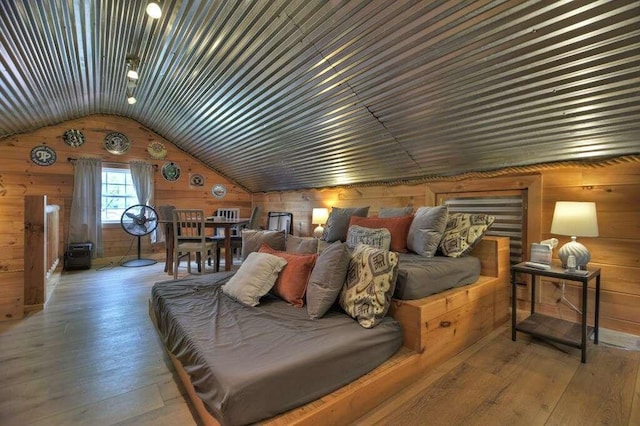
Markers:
point(397, 226)
point(291, 284)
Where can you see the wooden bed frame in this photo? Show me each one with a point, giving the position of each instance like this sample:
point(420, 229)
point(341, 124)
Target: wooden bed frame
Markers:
point(435, 328)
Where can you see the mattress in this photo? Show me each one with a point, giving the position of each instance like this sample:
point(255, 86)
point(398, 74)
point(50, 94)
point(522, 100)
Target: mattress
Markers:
point(420, 276)
point(252, 363)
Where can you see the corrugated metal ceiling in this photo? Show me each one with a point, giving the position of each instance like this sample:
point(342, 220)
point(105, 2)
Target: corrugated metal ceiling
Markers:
point(306, 93)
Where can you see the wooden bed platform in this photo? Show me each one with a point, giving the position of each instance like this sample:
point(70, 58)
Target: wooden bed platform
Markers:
point(435, 329)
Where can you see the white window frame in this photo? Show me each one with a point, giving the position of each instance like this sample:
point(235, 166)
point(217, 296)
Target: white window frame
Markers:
point(129, 195)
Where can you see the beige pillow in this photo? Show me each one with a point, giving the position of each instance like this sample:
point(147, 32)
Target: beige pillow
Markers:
point(255, 277)
point(301, 245)
point(253, 239)
point(371, 281)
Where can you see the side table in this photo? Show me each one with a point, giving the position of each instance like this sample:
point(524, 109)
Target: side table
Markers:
point(551, 328)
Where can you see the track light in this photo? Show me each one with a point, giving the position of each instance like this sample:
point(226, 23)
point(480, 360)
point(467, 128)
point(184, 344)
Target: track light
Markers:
point(154, 10)
point(131, 99)
point(133, 62)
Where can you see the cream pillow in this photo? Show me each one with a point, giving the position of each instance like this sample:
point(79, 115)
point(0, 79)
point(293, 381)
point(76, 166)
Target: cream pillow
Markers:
point(255, 277)
point(376, 237)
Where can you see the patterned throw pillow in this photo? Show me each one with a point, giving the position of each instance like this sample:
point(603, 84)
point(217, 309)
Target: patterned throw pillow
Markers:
point(463, 232)
point(371, 280)
point(378, 238)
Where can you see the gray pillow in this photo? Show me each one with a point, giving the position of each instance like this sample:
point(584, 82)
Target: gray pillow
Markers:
point(252, 240)
point(395, 211)
point(301, 245)
point(327, 278)
point(427, 229)
point(254, 278)
point(338, 222)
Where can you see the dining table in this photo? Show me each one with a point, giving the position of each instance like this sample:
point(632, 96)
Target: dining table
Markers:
point(214, 222)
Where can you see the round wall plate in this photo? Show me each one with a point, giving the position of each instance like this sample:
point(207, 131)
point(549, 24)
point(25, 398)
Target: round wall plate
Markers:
point(218, 190)
point(43, 155)
point(157, 150)
point(171, 171)
point(196, 179)
point(73, 137)
point(116, 143)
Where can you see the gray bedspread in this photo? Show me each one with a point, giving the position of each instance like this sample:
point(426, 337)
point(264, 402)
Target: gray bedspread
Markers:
point(420, 276)
point(248, 364)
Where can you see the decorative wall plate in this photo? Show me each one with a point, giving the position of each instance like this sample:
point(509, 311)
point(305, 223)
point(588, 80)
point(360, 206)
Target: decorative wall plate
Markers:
point(196, 179)
point(116, 143)
point(219, 190)
point(157, 150)
point(73, 137)
point(171, 171)
point(43, 155)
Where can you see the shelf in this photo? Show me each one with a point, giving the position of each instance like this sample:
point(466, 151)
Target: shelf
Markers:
point(555, 329)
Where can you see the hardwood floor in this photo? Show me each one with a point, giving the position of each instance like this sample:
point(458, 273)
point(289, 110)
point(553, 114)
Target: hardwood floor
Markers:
point(92, 357)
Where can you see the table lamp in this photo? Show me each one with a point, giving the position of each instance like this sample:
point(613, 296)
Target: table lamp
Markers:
point(575, 219)
point(319, 217)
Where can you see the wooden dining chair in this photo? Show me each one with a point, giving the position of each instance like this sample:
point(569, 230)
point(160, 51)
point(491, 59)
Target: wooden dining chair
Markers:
point(165, 214)
point(229, 213)
point(190, 237)
point(236, 240)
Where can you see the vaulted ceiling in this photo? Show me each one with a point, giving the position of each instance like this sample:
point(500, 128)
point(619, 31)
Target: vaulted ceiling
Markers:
point(305, 93)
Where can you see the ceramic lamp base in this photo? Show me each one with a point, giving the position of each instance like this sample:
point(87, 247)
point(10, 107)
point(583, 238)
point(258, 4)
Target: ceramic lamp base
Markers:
point(576, 249)
point(317, 233)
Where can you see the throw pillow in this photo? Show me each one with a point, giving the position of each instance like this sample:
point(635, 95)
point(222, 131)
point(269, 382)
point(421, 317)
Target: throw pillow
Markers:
point(463, 232)
point(327, 279)
point(291, 284)
point(338, 222)
point(371, 280)
point(301, 245)
point(395, 211)
point(378, 238)
point(253, 239)
point(254, 278)
point(426, 230)
point(398, 228)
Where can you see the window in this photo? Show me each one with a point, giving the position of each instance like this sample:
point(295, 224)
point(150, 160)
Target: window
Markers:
point(118, 193)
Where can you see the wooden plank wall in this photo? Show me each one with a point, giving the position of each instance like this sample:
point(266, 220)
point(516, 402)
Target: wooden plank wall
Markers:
point(20, 177)
point(615, 187)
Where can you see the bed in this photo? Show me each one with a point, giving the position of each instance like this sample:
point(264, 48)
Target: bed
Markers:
point(433, 328)
point(248, 363)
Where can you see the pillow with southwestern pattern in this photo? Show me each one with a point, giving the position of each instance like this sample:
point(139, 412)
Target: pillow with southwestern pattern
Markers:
point(254, 278)
point(371, 281)
point(338, 222)
point(327, 279)
point(426, 230)
point(398, 228)
point(463, 232)
point(291, 284)
point(378, 238)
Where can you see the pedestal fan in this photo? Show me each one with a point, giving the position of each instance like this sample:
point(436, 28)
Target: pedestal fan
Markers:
point(139, 220)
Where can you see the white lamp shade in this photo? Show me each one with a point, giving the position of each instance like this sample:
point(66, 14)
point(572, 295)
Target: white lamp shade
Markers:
point(319, 216)
point(576, 219)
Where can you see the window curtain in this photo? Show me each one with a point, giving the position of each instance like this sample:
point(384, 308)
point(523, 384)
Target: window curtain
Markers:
point(142, 177)
point(85, 223)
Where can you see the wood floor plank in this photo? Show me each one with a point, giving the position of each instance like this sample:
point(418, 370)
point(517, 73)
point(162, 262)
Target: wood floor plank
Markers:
point(634, 418)
point(601, 391)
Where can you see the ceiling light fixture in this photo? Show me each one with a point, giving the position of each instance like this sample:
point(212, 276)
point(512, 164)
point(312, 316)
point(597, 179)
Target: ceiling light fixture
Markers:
point(131, 99)
point(154, 10)
point(133, 62)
